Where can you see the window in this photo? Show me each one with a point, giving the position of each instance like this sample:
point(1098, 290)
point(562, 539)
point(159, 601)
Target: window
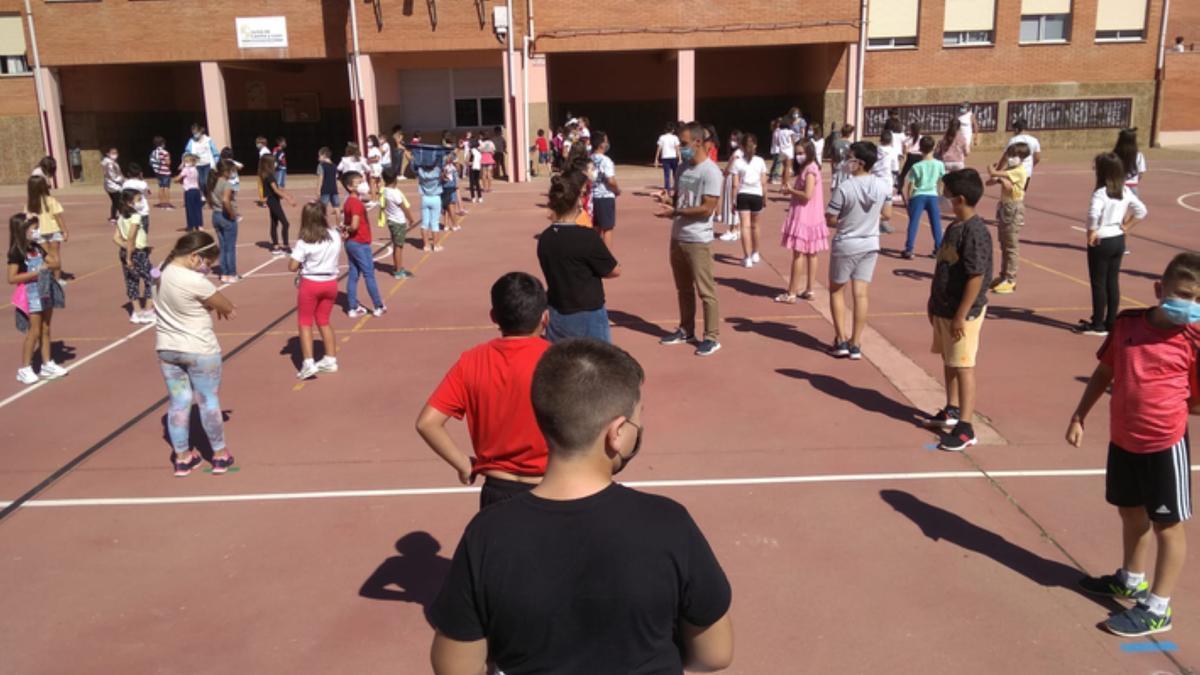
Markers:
point(892, 24)
point(12, 45)
point(1121, 21)
point(14, 65)
point(969, 23)
point(966, 38)
point(891, 43)
point(1120, 35)
point(1045, 28)
point(478, 112)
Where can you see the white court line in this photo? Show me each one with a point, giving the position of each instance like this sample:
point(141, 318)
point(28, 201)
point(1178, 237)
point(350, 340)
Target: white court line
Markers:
point(1081, 229)
point(387, 251)
point(1183, 198)
point(419, 492)
point(1186, 173)
point(111, 346)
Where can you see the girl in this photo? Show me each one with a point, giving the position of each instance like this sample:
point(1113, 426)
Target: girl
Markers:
point(315, 257)
point(710, 141)
point(429, 180)
point(953, 149)
point(134, 254)
point(205, 150)
point(912, 149)
point(450, 193)
point(189, 355)
point(112, 182)
point(476, 174)
point(46, 168)
point(804, 230)
point(273, 193)
point(385, 155)
point(1114, 210)
point(749, 180)
point(353, 160)
point(885, 170)
point(193, 198)
point(966, 122)
point(487, 149)
point(374, 165)
point(225, 217)
point(1133, 161)
point(728, 211)
point(52, 229)
point(26, 260)
point(160, 164)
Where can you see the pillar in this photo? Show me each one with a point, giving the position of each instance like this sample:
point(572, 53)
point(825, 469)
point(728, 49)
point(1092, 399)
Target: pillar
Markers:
point(686, 65)
point(510, 104)
point(538, 97)
point(518, 138)
point(216, 105)
point(53, 137)
point(369, 97)
point(853, 94)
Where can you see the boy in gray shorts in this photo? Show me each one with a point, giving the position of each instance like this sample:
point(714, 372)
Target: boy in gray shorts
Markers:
point(855, 210)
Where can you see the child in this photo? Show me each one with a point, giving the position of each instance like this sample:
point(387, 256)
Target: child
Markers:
point(264, 151)
point(957, 306)
point(279, 152)
point(886, 169)
point(357, 234)
point(135, 182)
point(487, 159)
point(134, 254)
point(450, 193)
point(26, 261)
point(839, 151)
point(749, 178)
point(476, 174)
point(1010, 214)
point(804, 231)
point(193, 197)
point(112, 182)
point(274, 192)
point(52, 229)
point(604, 190)
point(1148, 477)
point(1114, 210)
point(397, 215)
point(225, 216)
point(922, 187)
point(1131, 158)
point(327, 190)
point(352, 161)
point(374, 166)
point(543, 152)
point(429, 179)
point(315, 257)
point(160, 164)
point(855, 209)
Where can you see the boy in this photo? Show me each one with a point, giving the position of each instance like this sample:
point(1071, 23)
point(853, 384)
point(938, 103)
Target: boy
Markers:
point(327, 178)
point(543, 151)
point(357, 234)
point(160, 164)
point(604, 190)
point(260, 143)
point(396, 213)
point(957, 305)
point(1010, 213)
point(922, 185)
point(490, 385)
point(856, 208)
point(1148, 477)
point(280, 153)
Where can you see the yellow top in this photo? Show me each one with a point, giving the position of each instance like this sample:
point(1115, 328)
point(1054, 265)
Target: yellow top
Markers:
point(1018, 176)
point(47, 220)
point(128, 225)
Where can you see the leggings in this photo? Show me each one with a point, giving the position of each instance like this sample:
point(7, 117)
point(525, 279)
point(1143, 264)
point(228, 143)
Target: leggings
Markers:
point(278, 217)
point(115, 205)
point(1104, 269)
point(137, 275)
point(476, 190)
point(917, 205)
point(192, 377)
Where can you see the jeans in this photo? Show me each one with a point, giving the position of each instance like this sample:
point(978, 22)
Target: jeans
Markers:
point(331, 199)
point(227, 231)
point(361, 264)
point(691, 265)
point(202, 171)
point(928, 204)
point(431, 212)
point(193, 206)
point(281, 176)
point(1104, 270)
point(192, 377)
point(669, 166)
point(586, 324)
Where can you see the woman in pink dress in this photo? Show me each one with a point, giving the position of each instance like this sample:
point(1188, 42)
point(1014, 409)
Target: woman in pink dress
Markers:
point(804, 230)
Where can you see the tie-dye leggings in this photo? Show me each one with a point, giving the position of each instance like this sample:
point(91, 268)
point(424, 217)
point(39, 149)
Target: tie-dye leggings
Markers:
point(192, 377)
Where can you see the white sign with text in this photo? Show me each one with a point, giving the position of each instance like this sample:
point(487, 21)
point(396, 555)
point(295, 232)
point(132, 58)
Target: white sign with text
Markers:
point(259, 32)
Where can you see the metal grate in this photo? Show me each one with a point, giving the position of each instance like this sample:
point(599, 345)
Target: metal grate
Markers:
point(934, 119)
point(1101, 113)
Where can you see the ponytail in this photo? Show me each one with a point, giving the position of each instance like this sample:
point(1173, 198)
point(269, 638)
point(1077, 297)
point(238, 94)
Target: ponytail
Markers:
point(192, 242)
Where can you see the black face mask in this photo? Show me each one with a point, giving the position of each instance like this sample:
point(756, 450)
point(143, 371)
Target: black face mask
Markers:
point(637, 446)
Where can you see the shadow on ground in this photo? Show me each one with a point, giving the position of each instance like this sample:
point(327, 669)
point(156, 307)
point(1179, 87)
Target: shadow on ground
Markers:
point(415, 575)
point(777, 331)
point(870, 400)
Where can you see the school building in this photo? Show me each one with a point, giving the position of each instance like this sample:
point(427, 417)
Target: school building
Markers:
point(90, 74)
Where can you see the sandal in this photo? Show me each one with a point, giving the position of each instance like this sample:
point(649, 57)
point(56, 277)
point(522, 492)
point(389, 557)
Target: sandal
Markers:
point(221, 465)
point(786, 298)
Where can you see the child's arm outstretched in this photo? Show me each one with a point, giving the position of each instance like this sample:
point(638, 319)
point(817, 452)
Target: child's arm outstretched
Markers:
point(1101, 378)
point(431, 424)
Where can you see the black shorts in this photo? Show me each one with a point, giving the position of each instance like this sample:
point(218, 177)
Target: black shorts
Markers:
point(751, 203)
point(497, 490)
point(448, 197)
point(1159, 481)
point(604, 213)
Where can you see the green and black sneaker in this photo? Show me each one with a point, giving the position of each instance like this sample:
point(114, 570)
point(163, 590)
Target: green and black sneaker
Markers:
point(1138, 621)
point(1113, 586)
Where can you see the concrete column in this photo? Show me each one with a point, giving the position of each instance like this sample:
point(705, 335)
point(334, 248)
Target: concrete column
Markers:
point(686, 64)
point(539, 98)
point(53, 136)
point(216, 105)
point(369, 96)
point(853, 95)
point(509, 113)
point(518, 140)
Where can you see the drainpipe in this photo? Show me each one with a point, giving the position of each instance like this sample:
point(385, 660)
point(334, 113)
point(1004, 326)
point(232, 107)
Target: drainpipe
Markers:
point(513, 145)
point(360, 125)
point(43, 115)
point(1159, 74)
point(861, 75)
point(525, 81)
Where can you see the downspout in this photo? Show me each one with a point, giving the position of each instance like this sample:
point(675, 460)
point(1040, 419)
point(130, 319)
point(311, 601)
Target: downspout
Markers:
point(525, 81)
point(861, 75)
point(360, 126)
point(1159, 75)
point(43, 116)
point(512, 93)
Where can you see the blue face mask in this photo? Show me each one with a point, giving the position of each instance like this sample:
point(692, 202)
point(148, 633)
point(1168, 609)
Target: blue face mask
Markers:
point(687, 153)
point(1179, 311)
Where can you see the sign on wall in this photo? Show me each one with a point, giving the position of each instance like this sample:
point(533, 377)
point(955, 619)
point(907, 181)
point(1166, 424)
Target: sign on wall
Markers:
point(262, 32)
point(1107, 113)
point(934, 119)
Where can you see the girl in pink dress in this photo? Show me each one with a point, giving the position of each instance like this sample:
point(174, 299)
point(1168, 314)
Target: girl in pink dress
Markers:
point(804, 230)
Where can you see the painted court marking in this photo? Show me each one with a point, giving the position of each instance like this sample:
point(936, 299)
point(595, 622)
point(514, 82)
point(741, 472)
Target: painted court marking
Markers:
point(1182, 201)
point(703, 482)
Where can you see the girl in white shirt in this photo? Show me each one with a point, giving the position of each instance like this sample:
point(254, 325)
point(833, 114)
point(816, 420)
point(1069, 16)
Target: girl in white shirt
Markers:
point(315, 257)
point(1133, 160)
point(966, 117)
point(749, 177)
point(727, 212)
point(374, 165)
point(1114, 210)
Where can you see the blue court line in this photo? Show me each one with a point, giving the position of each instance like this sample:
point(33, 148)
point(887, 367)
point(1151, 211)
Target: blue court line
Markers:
point(1149, 647)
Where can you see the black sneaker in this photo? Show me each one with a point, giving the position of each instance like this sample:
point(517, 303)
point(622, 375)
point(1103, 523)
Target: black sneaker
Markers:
point(946, 418)
point(1138, 621)
point(1085, 327)
point(1113, 586)
point(677, 338)
point(907, 255)
point(708, 348)
point(961, 437)
point(855, 353)
point(840, 349)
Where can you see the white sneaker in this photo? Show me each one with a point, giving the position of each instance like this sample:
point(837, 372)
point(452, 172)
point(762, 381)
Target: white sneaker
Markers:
point(748, 262)
point(52, 371)
point(307, 370)
point(755, 257)
point(379, 311)
point(327, 365)
point(148, 316)
point(26, 375)
point(135, 317)
point(357, 312)
point(729, 236)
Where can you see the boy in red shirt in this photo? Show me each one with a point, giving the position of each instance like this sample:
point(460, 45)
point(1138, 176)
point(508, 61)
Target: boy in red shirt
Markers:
point(490, 385)
point(357, 233)
point(1150, 359)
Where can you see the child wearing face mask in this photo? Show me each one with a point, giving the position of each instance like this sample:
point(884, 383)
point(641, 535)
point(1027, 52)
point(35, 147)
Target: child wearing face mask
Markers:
point(429, 179)
point(357, 233)
point(113, 178)
point(26, 260)
point(134, 254)
point(1148, 477)
point(1010, 213)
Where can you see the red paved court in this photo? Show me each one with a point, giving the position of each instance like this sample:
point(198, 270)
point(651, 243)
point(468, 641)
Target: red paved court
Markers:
point(850, 545)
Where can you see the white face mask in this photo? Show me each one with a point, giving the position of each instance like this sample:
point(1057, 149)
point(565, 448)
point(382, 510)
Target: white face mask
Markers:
point(363, 189)
point(33, 235)
point(1014, 161)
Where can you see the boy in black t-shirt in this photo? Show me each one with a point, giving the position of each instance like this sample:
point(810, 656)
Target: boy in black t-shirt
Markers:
point(582, 575)
point(957, 306)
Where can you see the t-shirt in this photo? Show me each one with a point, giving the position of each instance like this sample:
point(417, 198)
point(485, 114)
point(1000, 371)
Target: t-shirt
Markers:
point(857, 202)
point(1132, 178)
point(1034, 148)
point(376, 167)
point(574, 260)
point(184, 324)
point(1017, 176)
point(490, 385)
point(328, 177)
point(190, 177)
point(604, 169)
point(139, 185)
point(160, 161)
point(394, 202)
point(591, 585)
point(925, 176)
point(127, 226)
point(47, 221)
point(430, 181)
point(1106, 214)
point(668, 145)
point(280, 158)
point(750, 174)
point(787, 142)
point(355, 207)
point(356, 164)
point(267, 184)
point(218, 195)
point(966, 252)
point(695, 183)
point(542, 144)
point(887, 162)
point(476, 159)
point(1154, 375)
point(319, 261)
point(263, 151)
point(29, 262)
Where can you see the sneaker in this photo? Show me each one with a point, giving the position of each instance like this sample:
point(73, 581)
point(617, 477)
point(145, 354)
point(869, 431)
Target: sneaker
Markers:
point(307, 370)
point(26, 375)
point(402, 274)
point(327, 365)
point(840, 349)
point(707, 348)
point(961, 437)
point(755, 257)
point(135, 317)
point(1113, 586)
point(379, 311)
point(1005, 287)
point(747, 262)
point(438, 248)
point(1138, 621)
point(184, 468)
point(277, 252)
point(946, 418)
point(885, 228)
point(357, 312)
point(729, 236)
point(222, 465)
point(855, 353)
point(907, 255)
point(1085, 327)
point(677, 338)
point(52, 371)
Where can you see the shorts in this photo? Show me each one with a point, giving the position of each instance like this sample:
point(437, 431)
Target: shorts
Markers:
point(399, 231)
point(314, 301)
point(856, 266)
point(957, 353)
point(749, 202)
point(1159, 481)
point(543, 158)
point(604, 213)
point(498, 489)
point(35, 300)
point(53, 236)
point(164, 182)
point(330, 199)
point(449, 196)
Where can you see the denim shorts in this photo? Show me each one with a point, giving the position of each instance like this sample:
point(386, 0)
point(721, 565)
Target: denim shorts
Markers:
point(586, 324)
point(164, 181)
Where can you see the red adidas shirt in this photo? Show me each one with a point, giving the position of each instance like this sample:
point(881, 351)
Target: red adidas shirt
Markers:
point(1154, 375)
point(542, 144)
point(355, 207)
point(490, 386)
